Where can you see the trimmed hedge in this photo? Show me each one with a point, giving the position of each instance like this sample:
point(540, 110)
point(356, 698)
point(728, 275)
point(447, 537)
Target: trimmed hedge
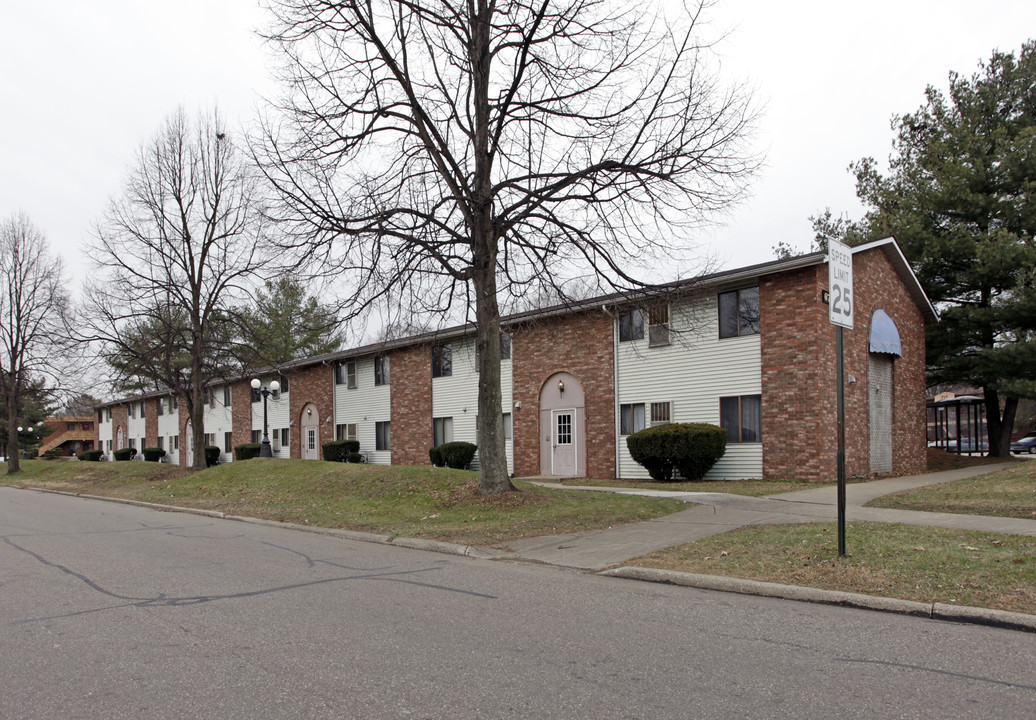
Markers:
point(247, 451)
point(354, 457)
point(153, 454)
point(456, 455)
point(212, 454)
point(339, 450)
point(689, 449)
point(90, 455)
point(124, 454)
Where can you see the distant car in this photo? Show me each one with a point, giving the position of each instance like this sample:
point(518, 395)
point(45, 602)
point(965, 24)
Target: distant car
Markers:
point(1026, 445)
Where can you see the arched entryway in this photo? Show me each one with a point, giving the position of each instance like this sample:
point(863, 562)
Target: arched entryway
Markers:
point(309, 436)
point(562, 426)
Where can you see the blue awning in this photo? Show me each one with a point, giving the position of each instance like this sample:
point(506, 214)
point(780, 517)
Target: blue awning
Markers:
point(884, 335)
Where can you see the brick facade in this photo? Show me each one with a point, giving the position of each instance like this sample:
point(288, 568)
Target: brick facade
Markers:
point(314, 384)
point(150, 423)
point(120, 421)
point(581, 344)
point(799, 373)
point(411, 412)
point(241, 412)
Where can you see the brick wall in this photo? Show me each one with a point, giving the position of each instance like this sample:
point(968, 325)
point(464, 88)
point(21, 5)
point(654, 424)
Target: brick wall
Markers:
point(150, 423)
point(241, 412)
point(878, 287)
point(583, 345)
point(314, 384)
point(796, 407)
point(120, 421)
point(799, 373)
point(411, 405)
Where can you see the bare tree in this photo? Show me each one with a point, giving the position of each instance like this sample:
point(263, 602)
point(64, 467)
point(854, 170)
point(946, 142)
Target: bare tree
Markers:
point(445, 154)
point(175, 253)
point(35, 347)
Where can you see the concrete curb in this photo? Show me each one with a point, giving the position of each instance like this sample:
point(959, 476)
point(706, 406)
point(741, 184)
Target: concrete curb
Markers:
point(934, 611)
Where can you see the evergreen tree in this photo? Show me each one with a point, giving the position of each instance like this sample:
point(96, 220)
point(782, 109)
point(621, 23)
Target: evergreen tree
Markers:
point(285, 324)
point(960, 197)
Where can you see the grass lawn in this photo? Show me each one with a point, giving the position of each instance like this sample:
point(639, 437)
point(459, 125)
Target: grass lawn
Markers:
point(913, 563)
point(395, 500)
point(1005, 493)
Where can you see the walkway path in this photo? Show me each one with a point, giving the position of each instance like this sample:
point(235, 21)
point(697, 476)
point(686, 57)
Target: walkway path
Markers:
point(716, 513)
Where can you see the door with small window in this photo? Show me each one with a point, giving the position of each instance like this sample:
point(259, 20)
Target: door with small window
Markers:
point(564, 443)
point(562, 426)
point(310, 437)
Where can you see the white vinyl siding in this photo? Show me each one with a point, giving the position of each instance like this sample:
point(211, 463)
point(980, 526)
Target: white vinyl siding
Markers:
point(219, 420)
point(692, 374)
point(278, 410)
point(136, 430)
point(168, 428)
point(105, 429)
point(456, 396)
point(363, 406)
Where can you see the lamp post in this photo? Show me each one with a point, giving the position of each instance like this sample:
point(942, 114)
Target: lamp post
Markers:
point(265, 451)
point(28, 430)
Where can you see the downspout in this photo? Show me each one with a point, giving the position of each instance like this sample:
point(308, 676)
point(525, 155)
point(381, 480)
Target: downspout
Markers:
point(615, 385)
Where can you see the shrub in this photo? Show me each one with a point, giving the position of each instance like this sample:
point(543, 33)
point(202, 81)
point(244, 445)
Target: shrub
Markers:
point(90, 455)
point(457, 455)
point(212, 454)
point(247, 451)
point(687, 448)
point(51, 454)
point(339, 450)
point(124, 454)
point(354, 457)
point(435, 456)
point(153, 454)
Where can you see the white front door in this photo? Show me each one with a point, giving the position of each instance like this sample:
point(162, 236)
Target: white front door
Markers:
point(563, 442)
point(309, 443)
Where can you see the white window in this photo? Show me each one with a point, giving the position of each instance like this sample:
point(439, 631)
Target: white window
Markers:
point(742, 418)
point(739, 312)
point(442, 360)
point(226, 397)
point(660, 413)
point(658, 325)
point(346, 431)
point(381, 370)
point(345, 374)
point(383, 436)
point(631, 325)
point(257, 436)
point(442, 431)
point(276, 440)
point(631, 418)
point(508, 427)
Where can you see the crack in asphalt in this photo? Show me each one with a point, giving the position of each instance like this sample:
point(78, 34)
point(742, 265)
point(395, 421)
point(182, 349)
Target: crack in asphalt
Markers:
point(949, 673)
point(385, 574)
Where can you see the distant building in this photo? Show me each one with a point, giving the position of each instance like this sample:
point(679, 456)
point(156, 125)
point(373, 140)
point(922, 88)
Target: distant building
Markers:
point(72, 434)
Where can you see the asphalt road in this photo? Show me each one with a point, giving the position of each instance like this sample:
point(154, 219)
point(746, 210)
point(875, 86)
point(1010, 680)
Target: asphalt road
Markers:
point(111, 611)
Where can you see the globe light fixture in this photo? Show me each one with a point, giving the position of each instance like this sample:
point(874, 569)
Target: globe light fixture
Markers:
point(265, 451)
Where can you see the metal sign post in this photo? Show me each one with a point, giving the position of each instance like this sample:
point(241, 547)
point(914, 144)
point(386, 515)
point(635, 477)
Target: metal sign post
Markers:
point(840, 313)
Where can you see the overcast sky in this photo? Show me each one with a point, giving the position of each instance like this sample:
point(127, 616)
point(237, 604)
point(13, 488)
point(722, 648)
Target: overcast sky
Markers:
point(85, 83)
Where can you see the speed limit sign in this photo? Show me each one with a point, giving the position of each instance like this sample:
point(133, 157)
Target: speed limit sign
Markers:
point(840, 281)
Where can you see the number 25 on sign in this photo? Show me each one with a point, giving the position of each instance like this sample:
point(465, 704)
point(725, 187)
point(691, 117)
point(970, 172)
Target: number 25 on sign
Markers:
point(840, 280)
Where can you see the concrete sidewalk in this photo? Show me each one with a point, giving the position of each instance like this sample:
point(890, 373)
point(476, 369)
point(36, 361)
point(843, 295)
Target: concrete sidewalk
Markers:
point(716, 513)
